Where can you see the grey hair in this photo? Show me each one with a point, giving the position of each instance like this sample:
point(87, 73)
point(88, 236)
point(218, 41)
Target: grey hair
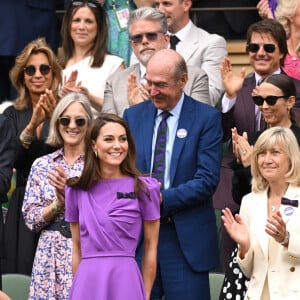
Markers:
point(54, 138)
point(149, 14)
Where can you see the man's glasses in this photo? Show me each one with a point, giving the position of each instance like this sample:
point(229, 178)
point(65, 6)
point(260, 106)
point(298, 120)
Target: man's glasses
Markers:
point(253, 47)
point(271, 100)
point(65, 121)
point(90, 3)
point(31, 70)
point(150, 36)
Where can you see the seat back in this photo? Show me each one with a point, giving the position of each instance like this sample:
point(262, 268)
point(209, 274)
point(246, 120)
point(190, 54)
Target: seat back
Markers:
point(16, 286)
point(215, 284)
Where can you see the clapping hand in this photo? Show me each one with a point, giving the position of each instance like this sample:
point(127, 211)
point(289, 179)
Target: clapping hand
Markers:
point(237, 230)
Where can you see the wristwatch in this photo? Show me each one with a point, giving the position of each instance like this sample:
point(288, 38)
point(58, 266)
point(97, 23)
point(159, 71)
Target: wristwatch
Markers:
point(285, 239)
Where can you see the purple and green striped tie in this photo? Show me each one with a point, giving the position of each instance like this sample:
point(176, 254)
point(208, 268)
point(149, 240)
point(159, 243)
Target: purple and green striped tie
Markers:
point(159, 159)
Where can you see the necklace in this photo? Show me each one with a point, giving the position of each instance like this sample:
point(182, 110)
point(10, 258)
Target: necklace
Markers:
point(273, 208)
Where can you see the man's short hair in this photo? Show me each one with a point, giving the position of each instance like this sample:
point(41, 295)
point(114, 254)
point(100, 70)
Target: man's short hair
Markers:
point(275, 29)
point(149, 14)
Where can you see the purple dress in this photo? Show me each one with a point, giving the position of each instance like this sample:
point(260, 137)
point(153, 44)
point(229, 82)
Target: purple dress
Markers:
point(110, 226)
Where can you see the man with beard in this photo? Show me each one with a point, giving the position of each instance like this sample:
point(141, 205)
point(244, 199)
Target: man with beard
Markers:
point(148, 34)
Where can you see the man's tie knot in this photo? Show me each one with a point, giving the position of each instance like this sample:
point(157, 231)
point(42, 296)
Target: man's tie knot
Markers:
point(174, 41)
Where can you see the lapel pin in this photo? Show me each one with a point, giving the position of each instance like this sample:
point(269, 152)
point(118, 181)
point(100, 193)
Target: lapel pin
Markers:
point(181, 133)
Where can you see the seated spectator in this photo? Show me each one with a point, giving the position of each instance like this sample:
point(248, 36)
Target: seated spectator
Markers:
point(125, 88)
point(84, 55)
point(197, 46)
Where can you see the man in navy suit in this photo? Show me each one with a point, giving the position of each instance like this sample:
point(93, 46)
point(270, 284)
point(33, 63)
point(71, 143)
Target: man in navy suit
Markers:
point(188, 246)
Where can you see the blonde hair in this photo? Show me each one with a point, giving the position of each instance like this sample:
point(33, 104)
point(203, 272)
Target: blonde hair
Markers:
point(285, 139)
point(284, 11)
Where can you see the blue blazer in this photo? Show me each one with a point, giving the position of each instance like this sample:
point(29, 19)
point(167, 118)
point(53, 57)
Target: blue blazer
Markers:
point(22, 21)
point(194, 175)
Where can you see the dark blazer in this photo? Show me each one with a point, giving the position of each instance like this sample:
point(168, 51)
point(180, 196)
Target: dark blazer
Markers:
point(241, 116)
point(194, 175)
point(21, 21)
point(6, 157)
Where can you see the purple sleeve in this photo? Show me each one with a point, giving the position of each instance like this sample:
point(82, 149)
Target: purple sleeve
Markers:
point(71, 204)
point(273, 5)
point(150, 202)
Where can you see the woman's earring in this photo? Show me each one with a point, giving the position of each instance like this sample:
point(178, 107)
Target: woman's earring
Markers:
point(96, 154)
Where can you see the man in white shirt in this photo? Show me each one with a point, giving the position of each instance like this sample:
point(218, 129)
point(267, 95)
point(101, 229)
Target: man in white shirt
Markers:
point(197, 46)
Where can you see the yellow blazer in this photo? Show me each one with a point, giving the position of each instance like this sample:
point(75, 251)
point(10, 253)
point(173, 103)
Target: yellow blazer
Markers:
point(284, 273)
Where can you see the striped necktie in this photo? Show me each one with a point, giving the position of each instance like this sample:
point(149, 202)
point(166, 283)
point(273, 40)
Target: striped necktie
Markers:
point(159, 159)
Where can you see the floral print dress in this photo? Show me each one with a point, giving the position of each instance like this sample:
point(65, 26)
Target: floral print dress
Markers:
point(51, 276)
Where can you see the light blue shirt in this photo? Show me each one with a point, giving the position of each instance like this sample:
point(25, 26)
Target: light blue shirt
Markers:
point(172, 123)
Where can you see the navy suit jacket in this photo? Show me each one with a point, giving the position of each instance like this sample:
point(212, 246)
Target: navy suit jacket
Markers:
point(21, 21)
point(194, 175)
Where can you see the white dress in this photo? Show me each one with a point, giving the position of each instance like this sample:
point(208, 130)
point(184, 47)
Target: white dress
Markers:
point(94, 79)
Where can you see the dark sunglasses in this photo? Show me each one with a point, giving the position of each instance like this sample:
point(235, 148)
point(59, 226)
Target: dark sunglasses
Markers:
point(31, 70)
point(253, 47)
point(65, 121)
point(150, 36)
point(271, 100)
point(90, 3)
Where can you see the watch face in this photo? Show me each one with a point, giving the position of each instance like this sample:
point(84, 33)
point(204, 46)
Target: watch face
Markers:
point(286, 238)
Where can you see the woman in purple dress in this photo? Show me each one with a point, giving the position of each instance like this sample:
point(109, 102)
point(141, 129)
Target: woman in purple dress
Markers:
point(107, 207)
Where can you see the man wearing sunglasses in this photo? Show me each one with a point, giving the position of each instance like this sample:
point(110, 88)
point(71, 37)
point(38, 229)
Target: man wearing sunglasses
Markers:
point(147, 29)
point(267, 48)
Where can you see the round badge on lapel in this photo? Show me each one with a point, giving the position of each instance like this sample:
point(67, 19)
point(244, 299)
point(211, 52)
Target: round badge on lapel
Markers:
point(288, 211)
point(181, 133)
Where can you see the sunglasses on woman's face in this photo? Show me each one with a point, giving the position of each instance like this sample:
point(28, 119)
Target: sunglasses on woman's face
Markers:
point(253, 47)
point(65, 121)
point(90, 3)
point(31, 69)
point(270, 100)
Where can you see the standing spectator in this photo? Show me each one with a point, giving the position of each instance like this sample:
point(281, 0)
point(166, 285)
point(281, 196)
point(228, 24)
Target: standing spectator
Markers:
point(267, 227)
point(85, 59)
point(277, 112)
point(267, 48)
point(44, 204)
point(184, 153)
point(148, 33)
point(118, 14)
point(22, 21)
point(36, 76)
point(197, 46)
point(107, 207)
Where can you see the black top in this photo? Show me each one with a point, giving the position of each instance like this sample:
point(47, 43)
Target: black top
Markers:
point(6, 157)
